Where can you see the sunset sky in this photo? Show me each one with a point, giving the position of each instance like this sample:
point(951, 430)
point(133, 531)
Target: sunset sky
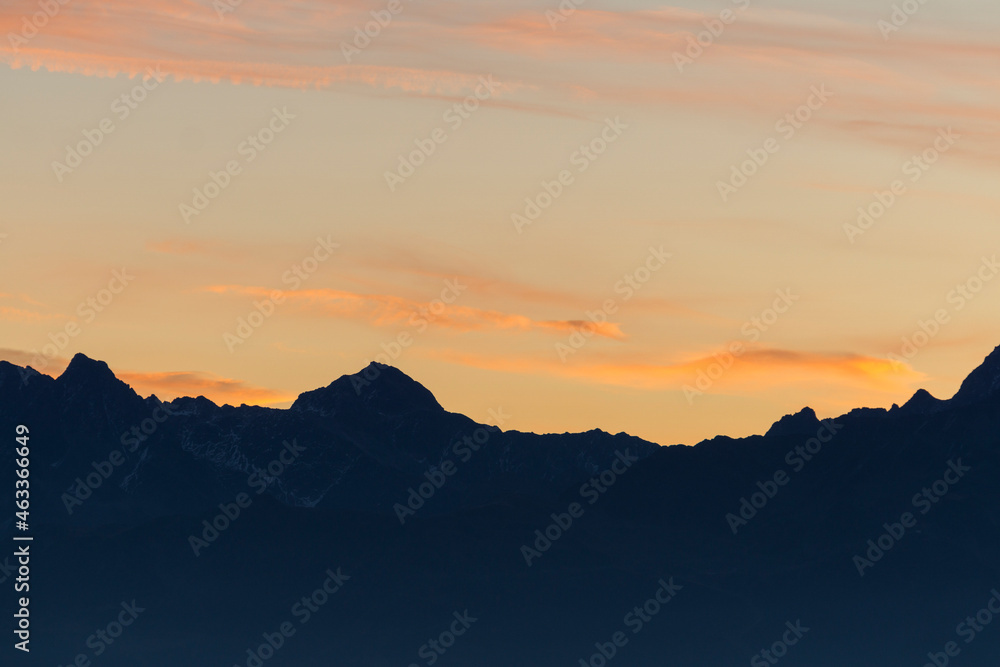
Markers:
point(636, 143)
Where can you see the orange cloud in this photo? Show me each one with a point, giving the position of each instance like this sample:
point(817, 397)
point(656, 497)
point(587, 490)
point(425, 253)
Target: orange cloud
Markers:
point(788, 40)
point(14, 314)
point(386, 310)
point(758, 64)
point(20, 315)
point(288, 44)
point(772, 50)
point(407, 262)
point(752, 371)
point(649, 35)
point(217, 389)
point(218, 249)
point(408, 80)
point(53, 366)
point(169, 385)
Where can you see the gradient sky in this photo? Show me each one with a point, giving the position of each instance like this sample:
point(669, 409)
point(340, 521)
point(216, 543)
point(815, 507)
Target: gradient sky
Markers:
point(558, 83)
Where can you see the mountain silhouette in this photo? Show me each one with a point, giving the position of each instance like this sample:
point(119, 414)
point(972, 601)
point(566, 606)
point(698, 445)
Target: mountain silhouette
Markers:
point(982, 383)
point(217, 520)
point(377, 387)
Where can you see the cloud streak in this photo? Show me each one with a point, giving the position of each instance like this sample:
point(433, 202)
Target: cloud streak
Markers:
point(758, 63)
point(385, 310)
point(265, 44)
point(170, 385)
point(755, 370)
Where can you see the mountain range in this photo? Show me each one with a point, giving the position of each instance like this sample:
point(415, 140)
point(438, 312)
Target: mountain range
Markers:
point(867, 539)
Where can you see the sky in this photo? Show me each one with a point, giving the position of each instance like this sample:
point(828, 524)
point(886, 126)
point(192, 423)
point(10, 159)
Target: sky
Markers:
point(673, 220)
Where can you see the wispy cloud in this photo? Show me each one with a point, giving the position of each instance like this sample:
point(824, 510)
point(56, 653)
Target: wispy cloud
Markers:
point(190, 247)
point(497, 286)
point(296, 44)
point(24, 358)
point(755, 370)
point(386, 310)
point(21, 315)
point(170, 385)
point(404, 79)
point(288, 44)
point(16, 314)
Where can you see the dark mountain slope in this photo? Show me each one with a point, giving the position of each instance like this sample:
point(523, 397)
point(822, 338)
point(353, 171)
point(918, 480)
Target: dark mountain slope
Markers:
point(758, 532)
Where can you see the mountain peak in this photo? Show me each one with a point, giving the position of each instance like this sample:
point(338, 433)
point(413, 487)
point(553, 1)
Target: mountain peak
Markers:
point(981, 383)
point(804, 422)
point(379, 387)
point(391, 389)
point(86, 376)
point(923, 402)
point(82, 367)
point(12, 376)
